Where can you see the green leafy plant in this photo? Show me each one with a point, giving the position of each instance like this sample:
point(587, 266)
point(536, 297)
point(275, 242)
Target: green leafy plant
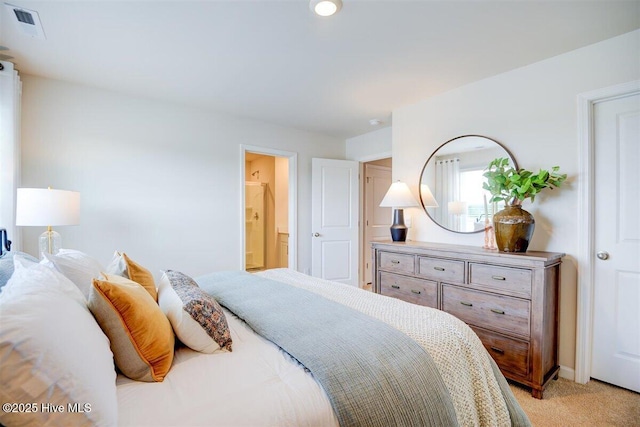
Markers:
point(514, 186)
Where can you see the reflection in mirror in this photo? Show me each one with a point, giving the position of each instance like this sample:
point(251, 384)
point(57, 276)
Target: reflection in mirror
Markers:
point(454, 175)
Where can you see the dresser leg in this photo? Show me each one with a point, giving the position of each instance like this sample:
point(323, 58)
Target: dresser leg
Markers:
point(537, 394)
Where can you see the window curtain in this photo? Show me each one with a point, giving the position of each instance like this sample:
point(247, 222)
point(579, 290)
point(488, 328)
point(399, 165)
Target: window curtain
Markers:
point(447, 190)
point(10, 96)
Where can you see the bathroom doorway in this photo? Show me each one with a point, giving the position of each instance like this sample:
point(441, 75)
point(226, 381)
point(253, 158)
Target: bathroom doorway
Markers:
point(255, 204)
point(266, 211)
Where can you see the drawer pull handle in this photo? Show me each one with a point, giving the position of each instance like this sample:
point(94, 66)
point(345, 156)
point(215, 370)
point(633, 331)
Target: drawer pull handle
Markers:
point(439, 268)
point(416, 292)
point(497, 350)
point(395, 261)
point(395, 286)
point(468, 304)
point(498, 278)
point(495, 310)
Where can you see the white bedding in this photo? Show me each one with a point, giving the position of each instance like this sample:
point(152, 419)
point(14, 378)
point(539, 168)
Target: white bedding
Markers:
point(255, 385)
point(258, 384)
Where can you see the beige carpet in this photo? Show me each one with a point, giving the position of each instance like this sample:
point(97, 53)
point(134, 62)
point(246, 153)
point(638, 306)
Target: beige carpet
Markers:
point(567, 403)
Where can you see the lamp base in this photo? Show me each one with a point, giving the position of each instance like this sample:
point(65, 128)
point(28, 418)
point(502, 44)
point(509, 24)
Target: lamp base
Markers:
point(49, 242)
point(398, 229)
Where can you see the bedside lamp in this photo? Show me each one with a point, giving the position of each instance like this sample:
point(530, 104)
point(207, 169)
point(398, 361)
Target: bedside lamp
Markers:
point(398, 197)
point(47, 207)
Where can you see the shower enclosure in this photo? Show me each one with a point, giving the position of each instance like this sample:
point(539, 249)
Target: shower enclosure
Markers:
point(255, 231)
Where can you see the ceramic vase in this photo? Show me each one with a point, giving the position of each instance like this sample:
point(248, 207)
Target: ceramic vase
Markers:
point(514, 228)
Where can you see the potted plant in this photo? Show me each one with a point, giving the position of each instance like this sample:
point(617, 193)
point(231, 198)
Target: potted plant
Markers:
point(513, 225)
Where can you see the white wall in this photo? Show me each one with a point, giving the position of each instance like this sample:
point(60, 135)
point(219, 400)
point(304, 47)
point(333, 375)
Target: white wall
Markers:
point(157, 180)
point(370, 146)
point(533, 112)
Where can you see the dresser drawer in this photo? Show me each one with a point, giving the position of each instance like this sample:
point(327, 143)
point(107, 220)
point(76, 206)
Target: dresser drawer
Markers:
point(400, 263)
point(441, 270)
point(489, 311)
point(515, 281)
point(416, 291)
point(510, 354)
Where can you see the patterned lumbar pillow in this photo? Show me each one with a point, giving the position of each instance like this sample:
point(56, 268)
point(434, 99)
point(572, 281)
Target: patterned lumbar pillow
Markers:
point(141, 337)
point(122, 265)
point(196, 317)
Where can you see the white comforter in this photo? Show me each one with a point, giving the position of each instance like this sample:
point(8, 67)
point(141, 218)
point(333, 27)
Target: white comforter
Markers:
point(258, 384)
point(255, 385)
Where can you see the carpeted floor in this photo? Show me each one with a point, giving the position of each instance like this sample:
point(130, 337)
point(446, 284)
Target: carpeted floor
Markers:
point(567, 404)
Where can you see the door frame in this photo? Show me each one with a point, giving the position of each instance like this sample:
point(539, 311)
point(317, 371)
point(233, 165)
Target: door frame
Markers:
point(292, 200)
point(586, 220)
point(364, 217)
point(362, 160)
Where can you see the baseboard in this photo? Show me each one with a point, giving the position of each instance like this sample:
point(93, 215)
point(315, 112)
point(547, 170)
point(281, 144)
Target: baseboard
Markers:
point(567, 373)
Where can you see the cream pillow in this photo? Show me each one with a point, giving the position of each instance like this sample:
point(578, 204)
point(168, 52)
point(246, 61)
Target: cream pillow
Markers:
point(77, 266)
point(53, 351)
point(141, 337)
point(196, 317)
point(122, 265)
point(36, 277)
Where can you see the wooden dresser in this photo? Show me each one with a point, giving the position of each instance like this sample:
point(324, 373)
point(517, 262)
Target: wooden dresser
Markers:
point(510, 300)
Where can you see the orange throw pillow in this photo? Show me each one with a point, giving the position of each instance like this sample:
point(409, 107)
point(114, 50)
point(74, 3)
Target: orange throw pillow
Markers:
point(141, 337)
point(141, 275)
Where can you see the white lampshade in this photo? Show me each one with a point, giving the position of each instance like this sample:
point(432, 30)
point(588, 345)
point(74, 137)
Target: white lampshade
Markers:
point(428, 200)
point(398, 196)
point(46, 207)
point(457, 208)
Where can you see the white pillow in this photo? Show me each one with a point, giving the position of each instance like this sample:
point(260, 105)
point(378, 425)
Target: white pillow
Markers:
point(53, 352)
point(187, 329)
point(77, 266)
point(30, 281)
point(118, 266)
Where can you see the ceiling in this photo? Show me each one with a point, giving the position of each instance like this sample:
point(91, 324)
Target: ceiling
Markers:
point(275, 61)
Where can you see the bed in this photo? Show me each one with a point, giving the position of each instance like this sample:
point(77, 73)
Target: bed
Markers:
point(255, 384)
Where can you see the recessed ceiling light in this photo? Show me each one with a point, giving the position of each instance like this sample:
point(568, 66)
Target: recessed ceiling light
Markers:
point(325, 7)
point(375, 122)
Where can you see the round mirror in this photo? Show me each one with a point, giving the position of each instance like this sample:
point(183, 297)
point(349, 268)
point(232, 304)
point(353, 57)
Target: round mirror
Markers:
point(451, 190)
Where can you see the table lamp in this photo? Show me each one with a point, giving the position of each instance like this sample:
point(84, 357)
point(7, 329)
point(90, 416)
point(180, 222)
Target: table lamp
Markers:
point(47, 207)
point(398, 197)
point(426, 196)
point(457, 209)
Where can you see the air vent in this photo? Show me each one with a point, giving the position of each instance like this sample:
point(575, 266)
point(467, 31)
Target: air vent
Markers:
point(24, 16)
point(27, 21)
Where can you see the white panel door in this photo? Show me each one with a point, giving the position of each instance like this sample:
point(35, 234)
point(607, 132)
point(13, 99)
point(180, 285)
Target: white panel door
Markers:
point(334, 220)
point(616, 319)
point(377, 219)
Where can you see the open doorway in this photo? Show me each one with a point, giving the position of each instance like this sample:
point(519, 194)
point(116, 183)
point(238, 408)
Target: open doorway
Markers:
point(375, 220)
point(267, 210)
